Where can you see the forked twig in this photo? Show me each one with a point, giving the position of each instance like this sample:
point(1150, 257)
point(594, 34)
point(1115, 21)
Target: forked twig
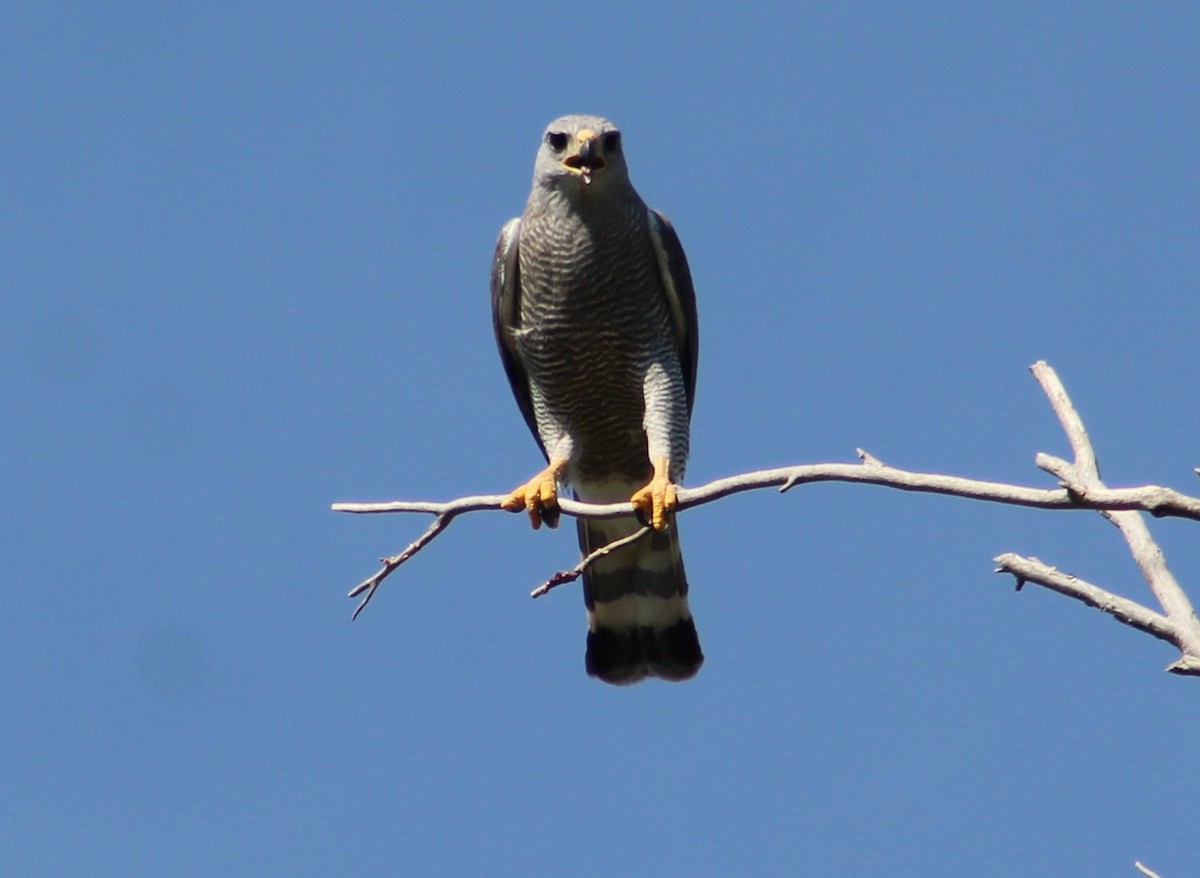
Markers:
point(372, 582)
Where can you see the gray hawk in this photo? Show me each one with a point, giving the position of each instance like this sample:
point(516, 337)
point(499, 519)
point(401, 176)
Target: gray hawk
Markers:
point(595, 318)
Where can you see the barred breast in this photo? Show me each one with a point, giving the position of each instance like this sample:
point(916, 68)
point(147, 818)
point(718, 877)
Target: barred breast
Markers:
point(594, 319)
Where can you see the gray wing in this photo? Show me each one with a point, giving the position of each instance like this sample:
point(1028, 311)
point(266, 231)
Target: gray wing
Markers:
point(506, 319)
point(681, 298)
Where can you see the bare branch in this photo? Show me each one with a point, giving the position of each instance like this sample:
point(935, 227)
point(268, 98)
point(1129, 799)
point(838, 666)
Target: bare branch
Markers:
point(1123, 609)
point(1081, 488)
point(1161, 501)
point(462, 504)
point(1157, 500)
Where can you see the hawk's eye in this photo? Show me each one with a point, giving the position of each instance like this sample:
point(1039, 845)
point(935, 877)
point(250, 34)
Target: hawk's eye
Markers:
point(612, 141)
point(557, 141)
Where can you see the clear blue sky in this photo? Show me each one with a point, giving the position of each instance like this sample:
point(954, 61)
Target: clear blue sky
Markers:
point(243, 260)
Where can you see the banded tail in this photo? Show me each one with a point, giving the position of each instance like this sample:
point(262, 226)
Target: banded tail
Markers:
point(639, 624)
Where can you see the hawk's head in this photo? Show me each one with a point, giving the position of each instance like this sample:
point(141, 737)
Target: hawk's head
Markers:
point(580, 151)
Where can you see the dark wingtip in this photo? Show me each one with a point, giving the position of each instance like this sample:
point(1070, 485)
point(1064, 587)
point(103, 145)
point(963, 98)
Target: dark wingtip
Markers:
point(627, 655)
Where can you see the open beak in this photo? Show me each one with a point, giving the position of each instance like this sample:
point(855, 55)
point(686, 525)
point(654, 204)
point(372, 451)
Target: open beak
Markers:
point(586, 158)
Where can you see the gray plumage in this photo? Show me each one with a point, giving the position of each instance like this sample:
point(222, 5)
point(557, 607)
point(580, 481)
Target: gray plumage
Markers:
point(595, 318)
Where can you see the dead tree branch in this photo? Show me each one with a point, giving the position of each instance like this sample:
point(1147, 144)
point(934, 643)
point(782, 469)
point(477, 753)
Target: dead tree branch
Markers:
point(1081, 479)
point(1081, 488)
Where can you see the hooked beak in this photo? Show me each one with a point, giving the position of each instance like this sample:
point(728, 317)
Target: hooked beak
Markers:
point(586, 158)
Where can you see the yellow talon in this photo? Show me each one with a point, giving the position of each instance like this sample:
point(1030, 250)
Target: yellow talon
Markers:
point(538, 496)
point(657, 500)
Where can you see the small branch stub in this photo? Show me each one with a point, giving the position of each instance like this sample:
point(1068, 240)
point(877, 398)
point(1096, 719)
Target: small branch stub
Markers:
point(565, 576)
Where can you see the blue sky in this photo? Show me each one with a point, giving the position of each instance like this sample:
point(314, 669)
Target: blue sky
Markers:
point(244, 275)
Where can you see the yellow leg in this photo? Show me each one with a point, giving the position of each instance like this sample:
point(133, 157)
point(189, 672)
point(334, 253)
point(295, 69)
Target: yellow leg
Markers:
point(656, 501)
point(538, 496)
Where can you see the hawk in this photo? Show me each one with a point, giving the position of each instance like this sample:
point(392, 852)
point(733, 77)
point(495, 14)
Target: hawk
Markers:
point(595, 318)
